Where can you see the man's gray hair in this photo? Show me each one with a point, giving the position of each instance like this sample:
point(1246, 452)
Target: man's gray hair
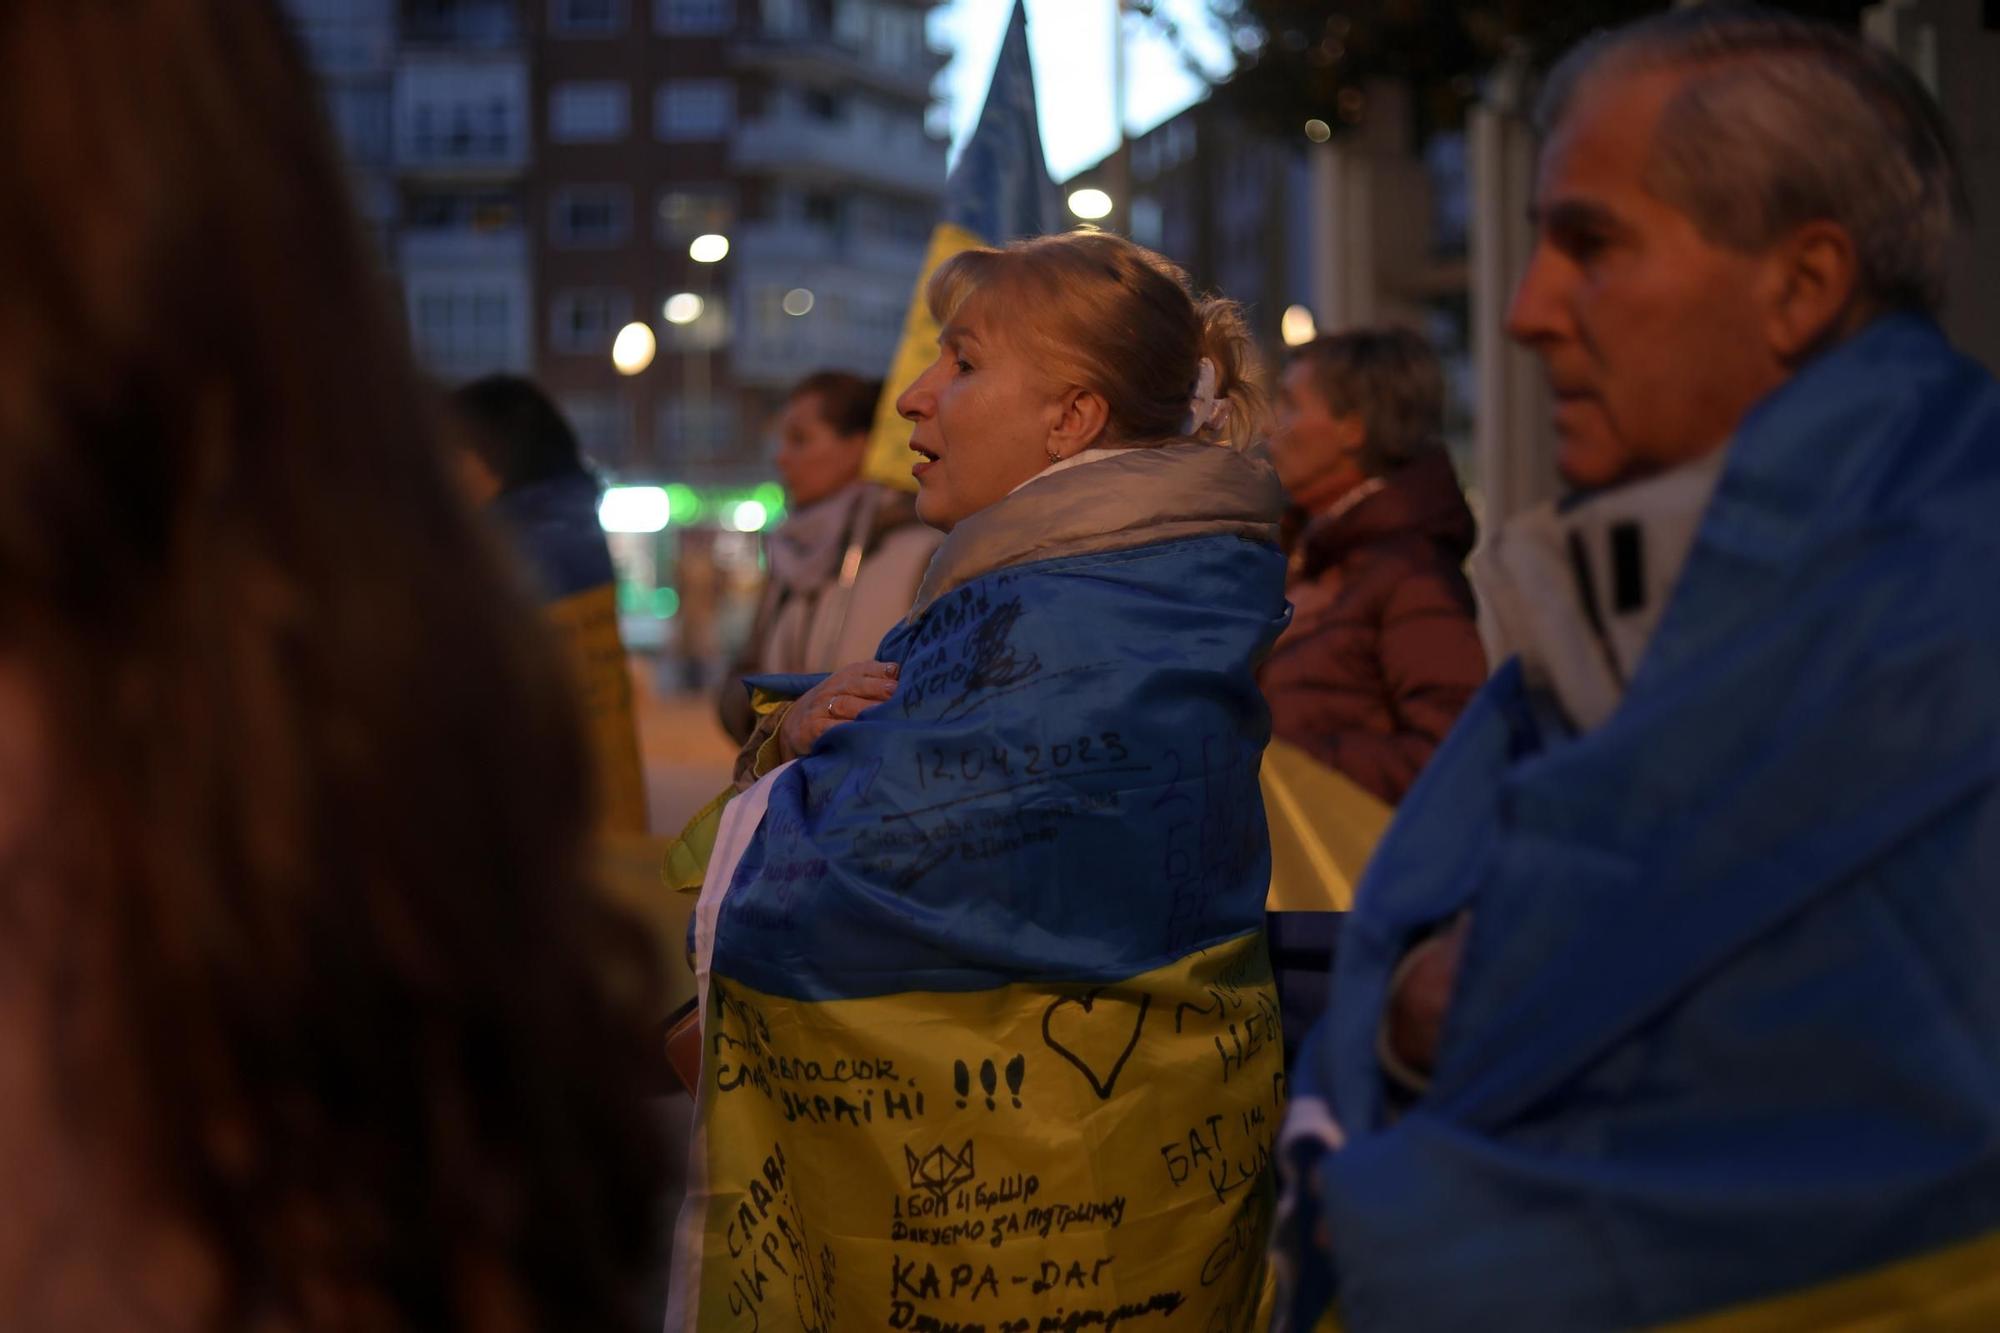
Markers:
point(1784, 121)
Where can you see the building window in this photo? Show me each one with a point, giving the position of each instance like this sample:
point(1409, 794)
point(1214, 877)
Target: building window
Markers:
point(819, 104)
point(796, 18)
point(477, 23)
point(693, 17)
point(707, 332)
point(583, 321)
point(898, 38)
point(591, 217)
point(463, 329)
point(462, 210)
point(690, 110)
point(688, 427)
point(463, 131)
point(589, 112)
point(1149, 221)
point(890, 35)
point(603, 425)
point(586, 18)
point(694, 210)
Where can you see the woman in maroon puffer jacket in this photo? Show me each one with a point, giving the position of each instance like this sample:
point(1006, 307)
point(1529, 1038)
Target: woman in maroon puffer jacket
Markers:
point(1383, 651)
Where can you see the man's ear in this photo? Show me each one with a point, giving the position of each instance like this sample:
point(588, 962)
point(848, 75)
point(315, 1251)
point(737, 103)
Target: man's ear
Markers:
point(1813, 279)
point(1081, 418)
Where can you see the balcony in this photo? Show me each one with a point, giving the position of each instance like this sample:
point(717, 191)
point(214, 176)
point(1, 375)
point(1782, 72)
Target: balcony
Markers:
point(476, 25)
point(462, 248)
point(814, 57)
point(854, 324)
point(777, 361)
point(840, 153)
point(463, 118)
point(794, 242)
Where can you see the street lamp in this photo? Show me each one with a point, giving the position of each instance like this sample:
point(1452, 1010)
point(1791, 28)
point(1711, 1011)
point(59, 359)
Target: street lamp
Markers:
point(684, 308)
point(633, 349)
point(1090, 205)
point(708, 248)
point(1297, 327)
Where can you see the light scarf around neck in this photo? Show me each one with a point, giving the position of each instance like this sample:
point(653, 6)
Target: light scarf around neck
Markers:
point(805, 550)
point(1577, 591)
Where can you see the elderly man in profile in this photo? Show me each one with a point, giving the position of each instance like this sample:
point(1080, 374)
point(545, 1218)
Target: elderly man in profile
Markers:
point(1673, 994)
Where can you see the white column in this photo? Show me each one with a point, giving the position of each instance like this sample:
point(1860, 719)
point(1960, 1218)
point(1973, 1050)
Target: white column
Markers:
point(1952, 50)
point(1512, 441)
point(1343, 243)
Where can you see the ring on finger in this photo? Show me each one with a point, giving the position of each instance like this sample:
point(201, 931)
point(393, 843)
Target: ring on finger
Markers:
point(829, 708)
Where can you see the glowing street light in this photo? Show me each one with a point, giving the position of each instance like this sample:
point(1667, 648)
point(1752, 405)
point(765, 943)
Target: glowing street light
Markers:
point(749, 516)
point(708, 248)
point(1090, 205)
point(684, 308)
point(634, 509)
point(798, 301)
point(1318, 130)
point(633, 350)
point(1297, 327)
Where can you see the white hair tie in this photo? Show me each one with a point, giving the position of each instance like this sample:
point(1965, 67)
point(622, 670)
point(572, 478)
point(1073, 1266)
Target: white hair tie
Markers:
point(1205, 411)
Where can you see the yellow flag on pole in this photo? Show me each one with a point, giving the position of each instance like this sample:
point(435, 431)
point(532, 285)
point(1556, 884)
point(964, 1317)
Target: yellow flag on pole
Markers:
point(998, 190)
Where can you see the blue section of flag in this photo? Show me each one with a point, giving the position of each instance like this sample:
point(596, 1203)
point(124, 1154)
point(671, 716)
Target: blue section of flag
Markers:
point(1000, 188)
point(555, 531)
point(1728, 1023)
point(1064, 787)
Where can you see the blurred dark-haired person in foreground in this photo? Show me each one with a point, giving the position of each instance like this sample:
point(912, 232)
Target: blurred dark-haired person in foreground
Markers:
point(844, 567)
point(309, 1017)
point(1672, 997)
point(518, 457)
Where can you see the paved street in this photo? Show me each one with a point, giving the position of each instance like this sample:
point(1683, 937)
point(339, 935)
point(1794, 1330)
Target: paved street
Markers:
point(687, 756)
point(688, 759)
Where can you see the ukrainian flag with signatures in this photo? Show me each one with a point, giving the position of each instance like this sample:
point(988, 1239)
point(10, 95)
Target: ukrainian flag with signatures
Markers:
point(990, 1038)
point(1724, 1051)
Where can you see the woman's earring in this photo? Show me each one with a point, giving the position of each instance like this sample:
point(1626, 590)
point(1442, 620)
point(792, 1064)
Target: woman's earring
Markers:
point(1055, 455)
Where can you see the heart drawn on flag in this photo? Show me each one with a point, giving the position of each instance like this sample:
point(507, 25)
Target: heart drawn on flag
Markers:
point(1097, 1032)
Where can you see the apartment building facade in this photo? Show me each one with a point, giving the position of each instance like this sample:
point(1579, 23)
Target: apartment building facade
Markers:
point(538, 173)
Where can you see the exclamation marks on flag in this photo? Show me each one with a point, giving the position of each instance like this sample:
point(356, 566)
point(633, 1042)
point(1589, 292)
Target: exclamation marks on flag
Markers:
point(989, 1081)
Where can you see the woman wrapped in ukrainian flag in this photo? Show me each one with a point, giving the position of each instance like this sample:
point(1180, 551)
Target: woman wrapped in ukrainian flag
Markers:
point(988, 1033)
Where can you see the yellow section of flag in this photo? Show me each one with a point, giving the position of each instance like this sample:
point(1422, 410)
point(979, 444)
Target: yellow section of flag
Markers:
point(1047, 1155)
point(1323, 830)
point(587, 625)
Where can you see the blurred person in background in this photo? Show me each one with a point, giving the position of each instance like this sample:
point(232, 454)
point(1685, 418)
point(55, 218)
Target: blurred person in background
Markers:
point(518, 458)
point(1383, 650)
point(1672, 996)
point(846, 563)
point(310, 1017)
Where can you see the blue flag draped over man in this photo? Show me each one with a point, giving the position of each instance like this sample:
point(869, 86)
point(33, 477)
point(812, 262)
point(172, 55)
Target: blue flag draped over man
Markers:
point(1672, 996)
